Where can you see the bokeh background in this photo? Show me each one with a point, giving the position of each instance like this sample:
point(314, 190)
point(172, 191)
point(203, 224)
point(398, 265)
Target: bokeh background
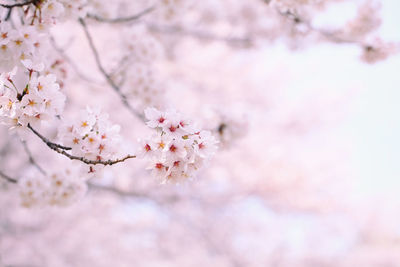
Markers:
point(308, 176)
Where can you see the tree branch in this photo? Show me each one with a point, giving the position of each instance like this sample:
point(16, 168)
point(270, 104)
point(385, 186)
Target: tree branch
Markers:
point(69, 60)
point(245, 42)
point(47, 141)
point(8, 178)
point(19, 4)
point(326, 34)
point(122, 19)
point(8, 16)
point(106, 75)
point(61, 150)
point(132, 194)
point(117, 191)
point(31, 159)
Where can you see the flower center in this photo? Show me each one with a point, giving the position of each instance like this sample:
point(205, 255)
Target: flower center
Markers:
point(173, 148)
point(159, 166)
point(147, 147)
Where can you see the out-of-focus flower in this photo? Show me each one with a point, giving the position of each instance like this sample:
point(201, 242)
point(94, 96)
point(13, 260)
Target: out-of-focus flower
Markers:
point(378, 51)
point(59, 189)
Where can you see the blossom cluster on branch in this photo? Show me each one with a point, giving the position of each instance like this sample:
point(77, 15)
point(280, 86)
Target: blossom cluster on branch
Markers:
point(23, 43)
point(26, 97)
point(30, 94)
point(91, 136)
point(178, 149)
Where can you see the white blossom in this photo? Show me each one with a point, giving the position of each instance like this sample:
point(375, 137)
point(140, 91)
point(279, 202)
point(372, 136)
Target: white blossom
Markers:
point(91, 136)
point(26, 97)
point(19, 44)
point(176, 152)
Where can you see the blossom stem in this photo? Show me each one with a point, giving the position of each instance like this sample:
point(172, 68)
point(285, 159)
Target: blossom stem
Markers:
point(31, 159)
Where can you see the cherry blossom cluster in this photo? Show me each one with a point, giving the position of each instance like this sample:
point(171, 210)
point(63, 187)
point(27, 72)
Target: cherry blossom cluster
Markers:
point(143, 87)
point(91, 136)
point(26, 97)
point(105, 9)
point(58, 189)
point(74, 8)
point(366, 21)
point(50, 11)
point(169, 10)
point(177, 150)
point(18, 44)
point(141, 46)
point(378, 51)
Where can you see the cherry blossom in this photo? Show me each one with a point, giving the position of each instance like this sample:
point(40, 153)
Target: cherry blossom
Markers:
point(176, 152)
point(28, 97)
point(91, 136)
point(19, 44)
point(58, 189)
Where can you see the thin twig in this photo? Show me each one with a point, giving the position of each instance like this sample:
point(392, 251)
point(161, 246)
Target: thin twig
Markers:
point(47, 141)
point(117, 191)
point(19, 4)
point(8, 16)
point(200, 35)
point(5, 149)
point(69, 60)
point(110, 81)
point(132, 194)
point(8, 178)
point(122, 19)
point(31, 159)
point(61, 150)
point(330, 35)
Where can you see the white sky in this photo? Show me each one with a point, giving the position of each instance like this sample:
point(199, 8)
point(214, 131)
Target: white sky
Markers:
point(373, 125)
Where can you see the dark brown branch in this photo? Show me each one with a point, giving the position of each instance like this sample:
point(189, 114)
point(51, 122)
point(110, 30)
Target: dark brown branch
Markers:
point(8, 16)
point(110, 81)
point(94, 162)
point(19, 4)
point(61, 150)
point(122, 19)
point(47, 141)
point(8, 178)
